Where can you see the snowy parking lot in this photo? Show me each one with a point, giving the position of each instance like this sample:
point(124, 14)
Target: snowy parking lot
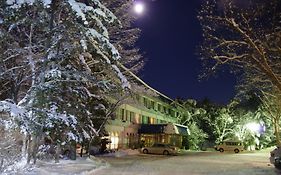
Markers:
point(128, 162)
point(191, 163)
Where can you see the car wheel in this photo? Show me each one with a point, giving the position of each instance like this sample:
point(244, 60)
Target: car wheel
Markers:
point(145, 151)
point(236, 150)
point(166, 152)
point(221, 150)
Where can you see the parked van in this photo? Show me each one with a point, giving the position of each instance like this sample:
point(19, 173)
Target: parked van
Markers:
point(235, 146)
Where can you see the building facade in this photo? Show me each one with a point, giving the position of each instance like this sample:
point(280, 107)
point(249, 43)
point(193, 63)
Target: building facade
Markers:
point(145, 121)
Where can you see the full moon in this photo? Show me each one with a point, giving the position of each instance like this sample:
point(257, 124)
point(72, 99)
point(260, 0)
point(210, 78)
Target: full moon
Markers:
point(139, 8)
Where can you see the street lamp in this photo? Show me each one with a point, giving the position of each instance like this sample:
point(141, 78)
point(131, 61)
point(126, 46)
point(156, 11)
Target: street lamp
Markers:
point(254, 127)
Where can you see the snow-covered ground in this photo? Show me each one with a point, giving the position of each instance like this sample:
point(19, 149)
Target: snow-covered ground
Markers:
point(128, 162)
point(191, 163)
point(80, 166)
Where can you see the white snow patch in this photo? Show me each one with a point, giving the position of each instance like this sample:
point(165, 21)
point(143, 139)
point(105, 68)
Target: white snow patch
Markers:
point(51, 54)
point(71, 136)
point(125, 82)
point(13, 109)
point(18, 3)
point(11, 27)
point(104, 42)
point(83, 44)
point(86, 135)
point(99, 12)
point(53, 73)
point(16, 167)
point(81, 166)
point(47, 2)
point(77, 8)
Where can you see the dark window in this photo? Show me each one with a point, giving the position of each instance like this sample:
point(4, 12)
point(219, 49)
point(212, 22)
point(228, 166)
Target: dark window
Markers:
point(145, 102)
point(152, 104)
point(132, 116)
point(159, 108)
point(127, 115)
point(144, 119)
point(123, 117)
point(169, 111)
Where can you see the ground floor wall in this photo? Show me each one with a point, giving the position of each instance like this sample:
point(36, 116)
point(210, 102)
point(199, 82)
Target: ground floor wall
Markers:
point(125, 136)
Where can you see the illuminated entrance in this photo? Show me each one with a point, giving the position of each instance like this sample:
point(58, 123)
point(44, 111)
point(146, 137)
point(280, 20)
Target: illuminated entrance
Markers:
point(162, 133)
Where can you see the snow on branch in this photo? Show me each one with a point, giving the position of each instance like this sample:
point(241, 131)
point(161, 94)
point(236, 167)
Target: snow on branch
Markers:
point(125, 83)
point(77, 7)
point(15, 4)
point(104, 12)
point(101, 12)
point(92, 34)
point(224, 58)
point(11, 108)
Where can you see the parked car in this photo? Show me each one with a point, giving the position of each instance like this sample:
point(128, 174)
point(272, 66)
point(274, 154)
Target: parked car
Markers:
point(161, 148)
point(275, 157)
point(235, 146)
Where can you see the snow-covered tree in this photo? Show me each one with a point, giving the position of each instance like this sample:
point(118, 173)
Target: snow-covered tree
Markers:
point(222, 124)
point(246, 37)
point(271, 108)
point(190, 116)
point(124, 37)
point(58, 55)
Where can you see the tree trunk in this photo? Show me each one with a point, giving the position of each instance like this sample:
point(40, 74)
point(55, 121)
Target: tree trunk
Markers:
point(81, 152)
point(277, 131)
point(57, 154)
point(24, 146)
point(73, 150)
point(32, 148)
point(35, 148)
point(29, 150)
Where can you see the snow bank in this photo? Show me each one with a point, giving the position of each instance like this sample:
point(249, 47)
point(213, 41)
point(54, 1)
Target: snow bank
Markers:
point(16, 167)
point(81, 166)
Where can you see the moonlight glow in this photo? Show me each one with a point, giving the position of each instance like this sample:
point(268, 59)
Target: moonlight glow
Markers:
point(139, 8)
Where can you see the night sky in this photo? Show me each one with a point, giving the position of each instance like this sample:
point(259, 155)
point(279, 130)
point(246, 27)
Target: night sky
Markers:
point(170, 36)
